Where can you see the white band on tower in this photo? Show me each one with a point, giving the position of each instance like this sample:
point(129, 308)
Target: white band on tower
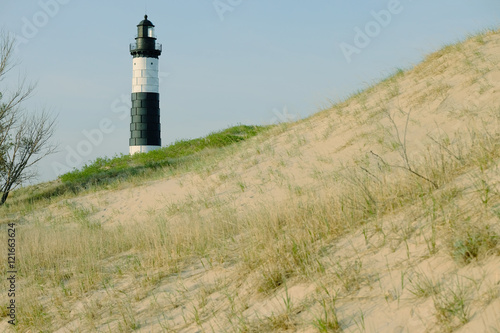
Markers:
point(145, 75)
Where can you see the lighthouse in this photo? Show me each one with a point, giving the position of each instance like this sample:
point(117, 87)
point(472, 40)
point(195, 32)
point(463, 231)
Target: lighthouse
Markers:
point(145, 129)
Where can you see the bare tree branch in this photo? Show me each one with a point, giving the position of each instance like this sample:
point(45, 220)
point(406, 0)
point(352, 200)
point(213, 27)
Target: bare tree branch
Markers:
point(24, 138)
point(405, 168)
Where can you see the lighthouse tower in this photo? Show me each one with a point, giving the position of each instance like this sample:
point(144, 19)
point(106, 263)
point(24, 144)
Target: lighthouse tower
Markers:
point(145, 130)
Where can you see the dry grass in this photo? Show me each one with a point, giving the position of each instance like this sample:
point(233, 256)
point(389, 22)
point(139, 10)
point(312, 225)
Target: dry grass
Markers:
point(228, 256)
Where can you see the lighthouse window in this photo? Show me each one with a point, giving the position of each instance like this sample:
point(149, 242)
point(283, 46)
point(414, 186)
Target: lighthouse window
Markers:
point(151, 63)
point(151, 32)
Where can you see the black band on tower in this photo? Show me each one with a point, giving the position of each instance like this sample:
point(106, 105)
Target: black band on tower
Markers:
point(145, 125)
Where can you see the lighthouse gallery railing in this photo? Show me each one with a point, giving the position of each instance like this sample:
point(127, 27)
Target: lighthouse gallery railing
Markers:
point(133, 47)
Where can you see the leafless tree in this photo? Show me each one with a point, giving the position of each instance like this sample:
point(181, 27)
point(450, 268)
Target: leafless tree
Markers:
point(24, 138)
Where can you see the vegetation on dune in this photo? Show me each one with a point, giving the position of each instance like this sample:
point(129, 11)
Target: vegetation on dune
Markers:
point(103, 170)
point(360, 229)
point(183, 154)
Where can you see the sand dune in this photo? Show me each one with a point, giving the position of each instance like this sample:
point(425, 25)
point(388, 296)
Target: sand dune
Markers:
point(394, 269)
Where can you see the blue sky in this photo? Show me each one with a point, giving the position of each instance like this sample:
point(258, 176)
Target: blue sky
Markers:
point(224, 62)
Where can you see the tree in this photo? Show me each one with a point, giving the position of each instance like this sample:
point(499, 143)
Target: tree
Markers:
point(24, 138)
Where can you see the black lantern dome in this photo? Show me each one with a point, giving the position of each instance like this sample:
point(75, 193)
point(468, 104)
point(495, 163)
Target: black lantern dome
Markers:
point(146, 22)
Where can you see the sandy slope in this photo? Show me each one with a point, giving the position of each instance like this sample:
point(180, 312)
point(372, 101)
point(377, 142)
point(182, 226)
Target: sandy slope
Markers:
point(442, 95)
point(436, 93)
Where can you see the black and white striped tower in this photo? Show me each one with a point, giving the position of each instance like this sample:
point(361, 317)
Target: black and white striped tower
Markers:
point(145, 129)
